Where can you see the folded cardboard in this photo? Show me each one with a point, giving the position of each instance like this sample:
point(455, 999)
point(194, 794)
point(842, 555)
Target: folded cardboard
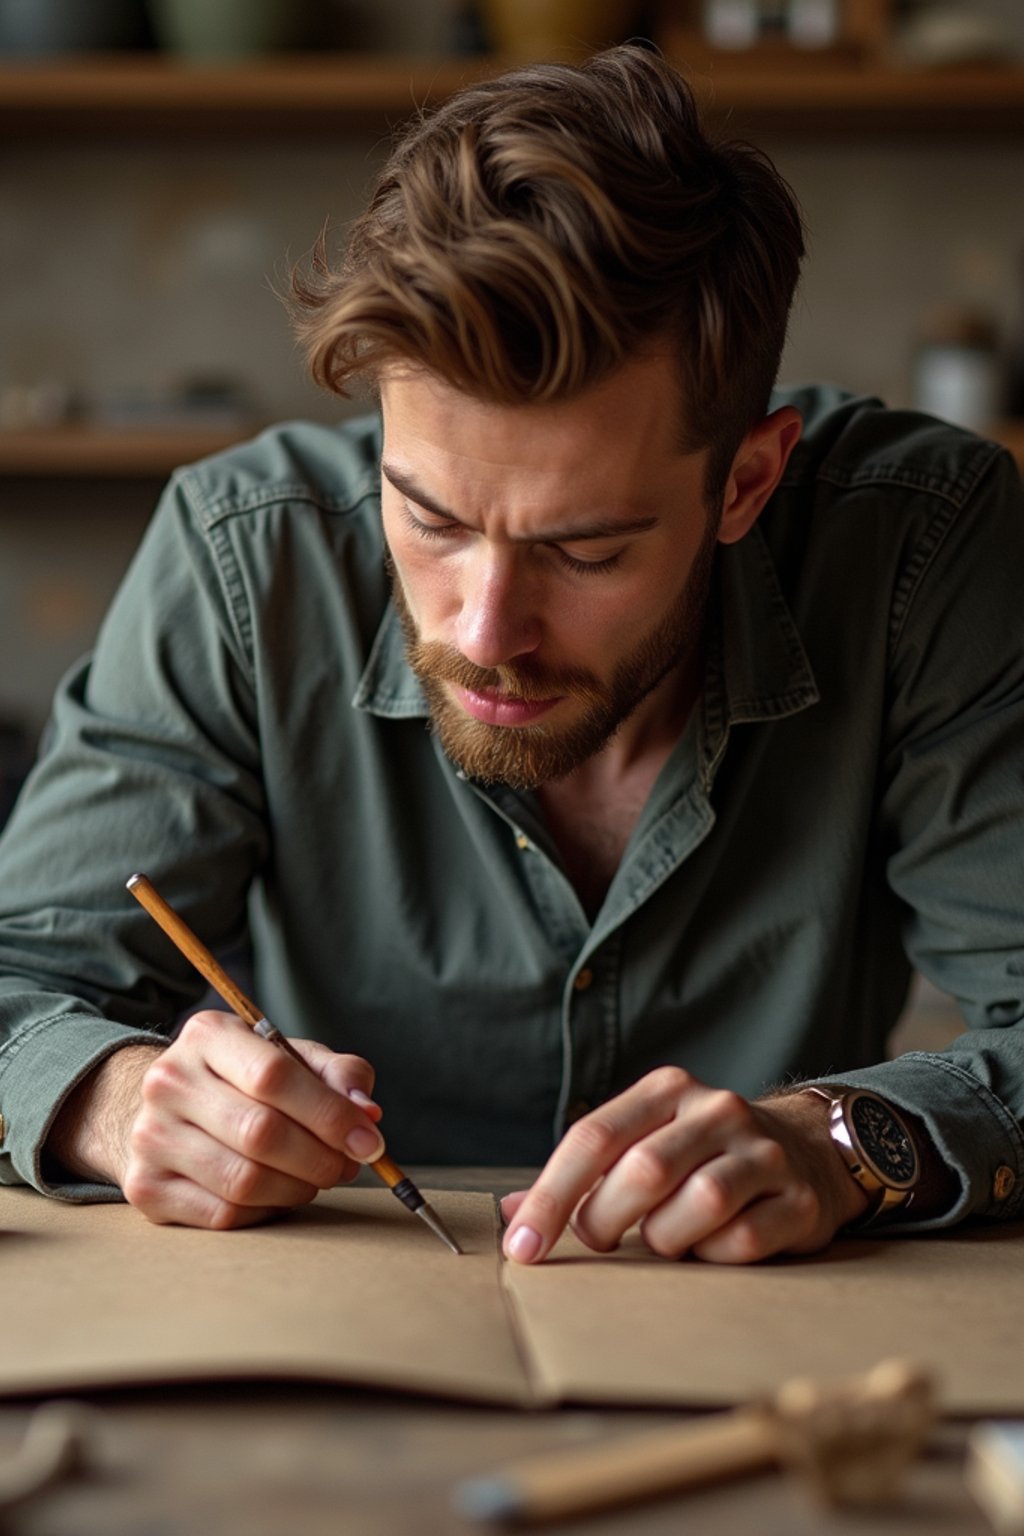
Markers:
point(354, 1290)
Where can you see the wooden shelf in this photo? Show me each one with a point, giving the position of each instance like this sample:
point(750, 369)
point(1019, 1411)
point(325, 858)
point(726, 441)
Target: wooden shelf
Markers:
point(96, 453)
point(106, 452)
point(301, 94)
point(840, 100)
point(104, 94)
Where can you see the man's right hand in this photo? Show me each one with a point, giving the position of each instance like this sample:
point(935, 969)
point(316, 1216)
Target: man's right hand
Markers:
point(222, 1128)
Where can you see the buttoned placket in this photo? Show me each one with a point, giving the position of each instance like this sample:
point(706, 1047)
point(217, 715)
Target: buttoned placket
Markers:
point(591, 1022)
point(759, 685)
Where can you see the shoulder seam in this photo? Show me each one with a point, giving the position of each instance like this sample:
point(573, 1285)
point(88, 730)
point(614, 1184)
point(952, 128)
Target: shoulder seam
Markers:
point(928, 546)
point(912, 478)
point(230, 580)
point(261, 496)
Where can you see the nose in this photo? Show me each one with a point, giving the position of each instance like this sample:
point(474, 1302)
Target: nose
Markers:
point(498, 617)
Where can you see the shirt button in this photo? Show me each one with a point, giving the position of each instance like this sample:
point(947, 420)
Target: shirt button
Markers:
point(522, 841)
point(577, 1110)
point(583, 979)
point(1003, 1182)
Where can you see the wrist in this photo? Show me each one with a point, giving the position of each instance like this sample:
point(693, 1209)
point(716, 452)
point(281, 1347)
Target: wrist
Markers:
point(808, 1117)
point(89, 1136)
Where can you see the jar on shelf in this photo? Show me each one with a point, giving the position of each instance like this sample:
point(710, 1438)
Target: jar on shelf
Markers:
point(537, 29)
point(958, 373)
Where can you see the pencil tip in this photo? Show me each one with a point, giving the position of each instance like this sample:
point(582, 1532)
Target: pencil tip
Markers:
point(434, 1222)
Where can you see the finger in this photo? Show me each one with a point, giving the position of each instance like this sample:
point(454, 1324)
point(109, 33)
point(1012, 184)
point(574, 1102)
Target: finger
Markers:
point(509, 1204)
point(585, 1154)
point(350, 1075)
point(232, 1176)
point(177, 1101)
point(168, 1199)
point(713, 1196)
point(785, 1223)
point(189, 1179)
point(263, 1072)
point(646, 1174)
point(221, 1159)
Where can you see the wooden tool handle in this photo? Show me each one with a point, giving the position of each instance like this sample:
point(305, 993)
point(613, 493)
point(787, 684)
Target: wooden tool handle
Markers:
point(181, 934)
point(571, 1482)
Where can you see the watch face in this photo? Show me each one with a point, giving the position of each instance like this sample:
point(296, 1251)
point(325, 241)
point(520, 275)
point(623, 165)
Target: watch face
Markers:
point(883, 1141)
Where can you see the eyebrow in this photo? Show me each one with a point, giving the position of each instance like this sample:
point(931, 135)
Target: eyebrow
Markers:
point(597, 528)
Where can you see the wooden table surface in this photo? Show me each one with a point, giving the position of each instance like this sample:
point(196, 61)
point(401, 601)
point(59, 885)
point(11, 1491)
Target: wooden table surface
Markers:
point(273, 1460)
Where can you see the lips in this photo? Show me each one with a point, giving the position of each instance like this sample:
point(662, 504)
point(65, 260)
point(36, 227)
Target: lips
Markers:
point(504, 709)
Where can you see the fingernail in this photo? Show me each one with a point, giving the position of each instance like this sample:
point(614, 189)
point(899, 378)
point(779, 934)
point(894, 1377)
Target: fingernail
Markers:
point(524, 1245)
point(362, 1099)
point(364, 1144)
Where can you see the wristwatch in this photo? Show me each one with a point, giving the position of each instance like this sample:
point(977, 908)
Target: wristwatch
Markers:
point(875, 1145)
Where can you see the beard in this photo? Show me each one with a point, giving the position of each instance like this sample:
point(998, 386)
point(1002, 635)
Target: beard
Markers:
point(527, 756)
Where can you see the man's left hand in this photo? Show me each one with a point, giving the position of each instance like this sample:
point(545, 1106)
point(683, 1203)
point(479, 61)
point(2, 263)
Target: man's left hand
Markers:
point(702, 1171)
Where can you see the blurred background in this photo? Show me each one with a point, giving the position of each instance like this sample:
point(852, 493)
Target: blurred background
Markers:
point(162, 161)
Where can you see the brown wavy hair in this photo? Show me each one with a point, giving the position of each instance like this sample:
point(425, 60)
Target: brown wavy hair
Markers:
point(536, 231)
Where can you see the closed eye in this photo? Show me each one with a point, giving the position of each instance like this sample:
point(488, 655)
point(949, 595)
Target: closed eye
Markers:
point(587, 567)
point(438, 530)
point(444, 528)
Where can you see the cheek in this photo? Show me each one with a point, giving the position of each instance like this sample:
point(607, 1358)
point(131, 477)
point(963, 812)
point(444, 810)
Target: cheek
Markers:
point(427, 581)
point(595, 628)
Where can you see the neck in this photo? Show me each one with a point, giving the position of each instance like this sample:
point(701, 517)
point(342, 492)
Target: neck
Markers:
point(591, 813)
point(653, 728)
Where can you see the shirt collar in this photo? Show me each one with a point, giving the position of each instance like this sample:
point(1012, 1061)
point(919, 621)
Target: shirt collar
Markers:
point(757, 668)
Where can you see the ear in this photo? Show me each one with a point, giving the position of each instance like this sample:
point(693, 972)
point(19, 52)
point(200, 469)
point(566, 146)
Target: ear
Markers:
point(756, 471)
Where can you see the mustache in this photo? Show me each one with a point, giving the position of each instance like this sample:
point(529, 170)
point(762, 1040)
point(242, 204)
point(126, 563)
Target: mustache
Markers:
point(436, 662)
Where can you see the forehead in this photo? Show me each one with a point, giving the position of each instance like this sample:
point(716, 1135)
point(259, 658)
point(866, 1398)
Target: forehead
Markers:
point(617, 445)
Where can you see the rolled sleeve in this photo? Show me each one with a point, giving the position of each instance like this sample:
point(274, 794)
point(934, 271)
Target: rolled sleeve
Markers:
point(152, 762)
point(38, 1069)
point(973, 1131)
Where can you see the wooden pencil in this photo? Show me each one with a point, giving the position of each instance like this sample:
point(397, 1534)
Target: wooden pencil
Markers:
point(180, 934)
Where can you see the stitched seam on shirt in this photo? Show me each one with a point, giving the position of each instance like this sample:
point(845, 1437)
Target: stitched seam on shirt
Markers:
point(909, 477)
point(1006, 1121)
point(909, 583)
point(14, 1047)
point(235, 600)
point(283, 491)
point(232, 586)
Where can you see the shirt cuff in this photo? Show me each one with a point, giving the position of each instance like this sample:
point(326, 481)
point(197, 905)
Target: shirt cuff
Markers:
point(973, 1131)
point(37, 1072)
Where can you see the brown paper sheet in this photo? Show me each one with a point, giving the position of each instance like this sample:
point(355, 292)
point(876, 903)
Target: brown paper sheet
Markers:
point(353, 1289)
point(631, 1328)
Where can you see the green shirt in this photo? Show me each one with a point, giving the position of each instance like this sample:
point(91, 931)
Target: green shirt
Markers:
point(847, 799)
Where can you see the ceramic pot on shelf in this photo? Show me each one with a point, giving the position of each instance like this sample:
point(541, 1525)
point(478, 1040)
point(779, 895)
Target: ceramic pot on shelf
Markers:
point(539, 29)
point(230, 29)
point(39, 28)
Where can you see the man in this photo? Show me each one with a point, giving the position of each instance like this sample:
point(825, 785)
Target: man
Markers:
point(723, 725)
